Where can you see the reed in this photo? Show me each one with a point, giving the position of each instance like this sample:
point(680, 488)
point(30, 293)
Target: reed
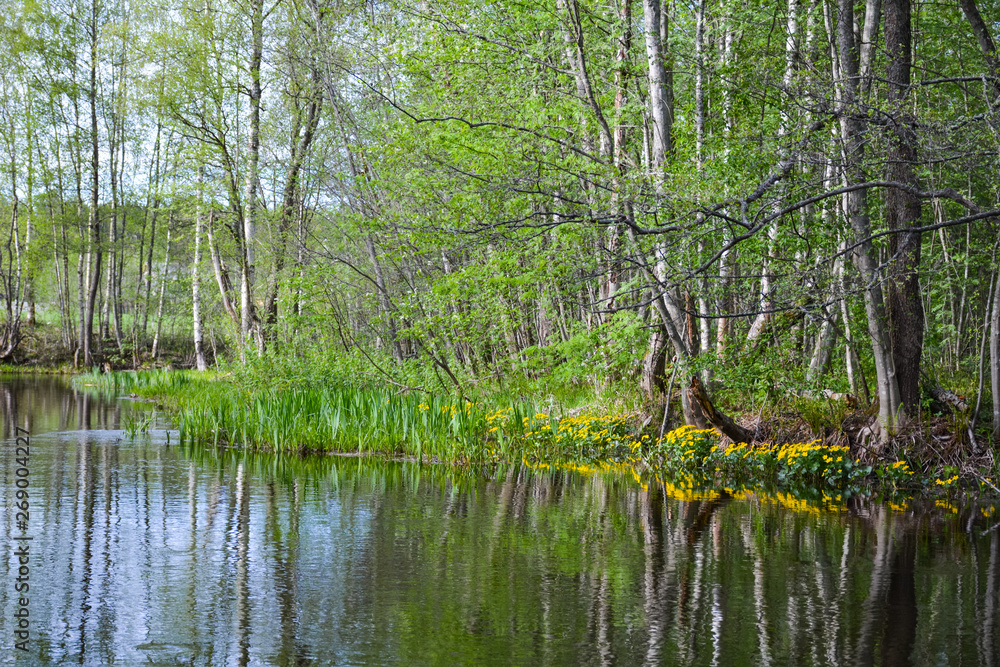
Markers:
point(158, 383)
point(335, 419)
point(339, 417)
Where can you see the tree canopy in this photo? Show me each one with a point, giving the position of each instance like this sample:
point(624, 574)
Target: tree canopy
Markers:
point(780, 197)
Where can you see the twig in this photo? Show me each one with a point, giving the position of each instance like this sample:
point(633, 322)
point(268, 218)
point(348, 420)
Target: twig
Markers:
point(982, 351)
point(666, 408)
point(936, 450)
point(756, 428)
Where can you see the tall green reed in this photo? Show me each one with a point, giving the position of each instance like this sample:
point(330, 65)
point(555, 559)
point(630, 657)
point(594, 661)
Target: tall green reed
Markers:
point(336, 418)
point(340, 417)
point(159, 383)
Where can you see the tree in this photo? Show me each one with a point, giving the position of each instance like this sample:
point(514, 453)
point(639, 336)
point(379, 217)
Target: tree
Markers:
point(95, 252)
point(906, 314)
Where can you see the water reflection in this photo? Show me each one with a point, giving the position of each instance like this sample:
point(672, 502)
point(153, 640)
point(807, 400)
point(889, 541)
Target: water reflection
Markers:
point(144, 553)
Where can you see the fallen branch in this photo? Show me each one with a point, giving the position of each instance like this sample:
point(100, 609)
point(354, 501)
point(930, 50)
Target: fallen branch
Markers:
point(947, 397)
point(724, 423)
point(956, 402)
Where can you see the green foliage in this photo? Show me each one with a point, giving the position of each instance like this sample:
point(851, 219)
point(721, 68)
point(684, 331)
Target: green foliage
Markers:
point(159, 383)
point(695, 452)
point(137, 423)
point(339, 417)
point(581, 438)
point(479, 216)
point(824, 416)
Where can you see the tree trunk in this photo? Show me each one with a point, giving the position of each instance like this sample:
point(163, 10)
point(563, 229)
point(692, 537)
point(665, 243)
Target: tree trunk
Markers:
point(144, 267)
point(853, 137)
point(653, 382)
point(94, 276)
point(822, 350)
point(655, 29)
point(986, 43)
point(988, 47)
point(621, 205)
point(82, 269)
point(906, 312)
point(722, 422)
point(60, 245)
point(148, 283)
point(111, 302)
point(702, 342)
point(249, 324)
point(766, 277)
point(827, 333)
point(199, 340)
point(29, 287)
point(300, 259)
point(221, 273)
point(576, 56)
point(301, 139)
point(673, 321)
point(869, 40)
point(163, 289)
point(57, 257)
point(13, 278)
point(728, 257)
point(656, 33)
point(995, 360)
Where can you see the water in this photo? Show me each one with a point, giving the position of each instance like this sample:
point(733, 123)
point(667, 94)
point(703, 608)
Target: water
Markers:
point(146, 553)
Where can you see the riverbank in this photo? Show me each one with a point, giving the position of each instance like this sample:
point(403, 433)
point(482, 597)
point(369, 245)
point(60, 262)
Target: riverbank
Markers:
point(266, 538)
point(342, 418)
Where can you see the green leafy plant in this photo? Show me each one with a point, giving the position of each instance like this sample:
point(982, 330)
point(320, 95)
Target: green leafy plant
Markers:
point(137, 423)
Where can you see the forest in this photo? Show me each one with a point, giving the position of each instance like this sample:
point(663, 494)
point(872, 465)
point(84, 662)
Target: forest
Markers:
point(781, 200)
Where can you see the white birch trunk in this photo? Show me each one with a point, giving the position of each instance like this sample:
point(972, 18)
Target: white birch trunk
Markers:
point(766, 279)
point(199, 340)
point(660, 89)
point(163, 289)
point(249, 326)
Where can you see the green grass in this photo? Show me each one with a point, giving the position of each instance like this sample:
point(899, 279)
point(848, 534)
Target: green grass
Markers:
point(372, 420)
point(337, 418)
point(342, 418)
point(159, 383)
point(218, 410)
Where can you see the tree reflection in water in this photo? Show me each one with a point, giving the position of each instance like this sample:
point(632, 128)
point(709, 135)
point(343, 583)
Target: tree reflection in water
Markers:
point(152, 553)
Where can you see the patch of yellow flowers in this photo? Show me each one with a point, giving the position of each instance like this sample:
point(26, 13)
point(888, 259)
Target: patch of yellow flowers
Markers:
point(591, 443)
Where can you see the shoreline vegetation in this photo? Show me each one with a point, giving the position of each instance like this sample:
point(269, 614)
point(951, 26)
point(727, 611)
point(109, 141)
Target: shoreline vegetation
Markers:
point(239, 410)
point(393, 229)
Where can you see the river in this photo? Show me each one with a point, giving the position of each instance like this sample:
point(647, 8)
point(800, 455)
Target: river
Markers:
point(143, 552)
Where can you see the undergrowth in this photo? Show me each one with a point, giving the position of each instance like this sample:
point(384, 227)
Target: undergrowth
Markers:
point(222, 411)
